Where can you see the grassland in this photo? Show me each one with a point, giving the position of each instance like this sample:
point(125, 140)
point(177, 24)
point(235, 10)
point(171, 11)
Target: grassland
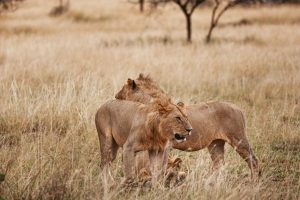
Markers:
point(56, 72)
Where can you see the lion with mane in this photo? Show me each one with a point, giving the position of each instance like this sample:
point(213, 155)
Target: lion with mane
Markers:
point(137, 127)
point(214, 123)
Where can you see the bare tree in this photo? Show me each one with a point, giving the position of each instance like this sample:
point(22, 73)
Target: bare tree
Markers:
point(187, 7)
point(217, 11)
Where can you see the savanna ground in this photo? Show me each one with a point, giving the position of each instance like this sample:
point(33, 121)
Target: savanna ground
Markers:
point(56, 72)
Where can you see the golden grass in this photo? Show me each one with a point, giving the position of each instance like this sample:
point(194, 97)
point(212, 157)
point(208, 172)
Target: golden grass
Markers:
point(56, 72)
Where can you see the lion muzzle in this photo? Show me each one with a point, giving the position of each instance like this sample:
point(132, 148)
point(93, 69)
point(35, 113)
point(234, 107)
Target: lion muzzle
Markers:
point(189, 130)
point(179, 137)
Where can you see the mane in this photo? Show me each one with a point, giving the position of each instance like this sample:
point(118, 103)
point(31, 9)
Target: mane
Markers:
point(163, 103)
point(158, 107)
point(146, 78)
point(148, 83)
point(160, 102)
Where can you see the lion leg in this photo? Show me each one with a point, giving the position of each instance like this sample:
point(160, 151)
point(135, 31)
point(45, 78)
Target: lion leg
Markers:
point(129, 161)
point(142, 163)
point(165, 158)
point(244, 149)
point(216, 151)
point(156, 163)
point(108, 151)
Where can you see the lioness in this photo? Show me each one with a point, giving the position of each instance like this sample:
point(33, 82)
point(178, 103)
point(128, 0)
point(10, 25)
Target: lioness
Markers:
point(138, 127)
point(213, 123)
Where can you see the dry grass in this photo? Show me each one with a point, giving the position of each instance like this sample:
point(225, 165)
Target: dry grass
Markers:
point(56, 72)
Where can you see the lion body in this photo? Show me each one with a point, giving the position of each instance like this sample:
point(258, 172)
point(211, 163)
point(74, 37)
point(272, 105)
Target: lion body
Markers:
point(137, 128)
point(110, 125)
point(214, 123)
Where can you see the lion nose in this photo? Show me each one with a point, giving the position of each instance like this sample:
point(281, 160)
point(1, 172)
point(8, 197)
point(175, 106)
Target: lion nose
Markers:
point(189, 130)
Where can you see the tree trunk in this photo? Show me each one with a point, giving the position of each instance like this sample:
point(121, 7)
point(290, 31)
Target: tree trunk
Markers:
point(142, 5)
point(189, 27)
point(212, 26)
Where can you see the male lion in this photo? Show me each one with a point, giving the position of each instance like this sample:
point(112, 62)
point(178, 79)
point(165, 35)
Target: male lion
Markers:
point(213, 123)
point(138, 128)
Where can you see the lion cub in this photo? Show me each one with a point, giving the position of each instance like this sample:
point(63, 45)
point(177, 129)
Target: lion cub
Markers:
point(138, 128)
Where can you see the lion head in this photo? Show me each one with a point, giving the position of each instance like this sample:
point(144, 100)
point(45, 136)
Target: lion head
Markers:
point(142, 90)
point(173, 122)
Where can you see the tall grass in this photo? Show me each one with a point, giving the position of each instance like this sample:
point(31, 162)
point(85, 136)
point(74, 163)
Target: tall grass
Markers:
point(55, 76)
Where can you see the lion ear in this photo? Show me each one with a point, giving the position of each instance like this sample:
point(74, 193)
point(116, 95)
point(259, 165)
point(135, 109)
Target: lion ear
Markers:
point(181, 104)
point(131, 83)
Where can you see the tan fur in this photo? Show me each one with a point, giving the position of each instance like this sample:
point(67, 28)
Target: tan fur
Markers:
point(138, 128)
point(213, 123)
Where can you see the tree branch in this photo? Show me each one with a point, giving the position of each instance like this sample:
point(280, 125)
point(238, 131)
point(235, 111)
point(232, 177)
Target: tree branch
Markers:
point(229, 5)
point(215, 18)
point(198, 2)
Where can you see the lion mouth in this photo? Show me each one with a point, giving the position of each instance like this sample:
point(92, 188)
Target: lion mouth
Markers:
point(179, 138)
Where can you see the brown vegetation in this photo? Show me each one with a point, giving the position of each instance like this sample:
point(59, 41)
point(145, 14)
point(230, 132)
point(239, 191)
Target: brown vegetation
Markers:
point(60, 9)
point(9, 5)
point(53, 81)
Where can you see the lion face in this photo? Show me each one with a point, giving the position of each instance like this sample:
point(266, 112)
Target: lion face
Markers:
point(131, 91)
point(142, 90)
point(174, 123)
point(126, 89)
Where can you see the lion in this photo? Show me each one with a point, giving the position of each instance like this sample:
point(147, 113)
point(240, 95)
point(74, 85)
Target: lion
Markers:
point(140, 128)
point(214, 124)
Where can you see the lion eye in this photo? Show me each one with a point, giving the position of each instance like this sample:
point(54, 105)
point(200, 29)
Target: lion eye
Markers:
point(178, 118)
